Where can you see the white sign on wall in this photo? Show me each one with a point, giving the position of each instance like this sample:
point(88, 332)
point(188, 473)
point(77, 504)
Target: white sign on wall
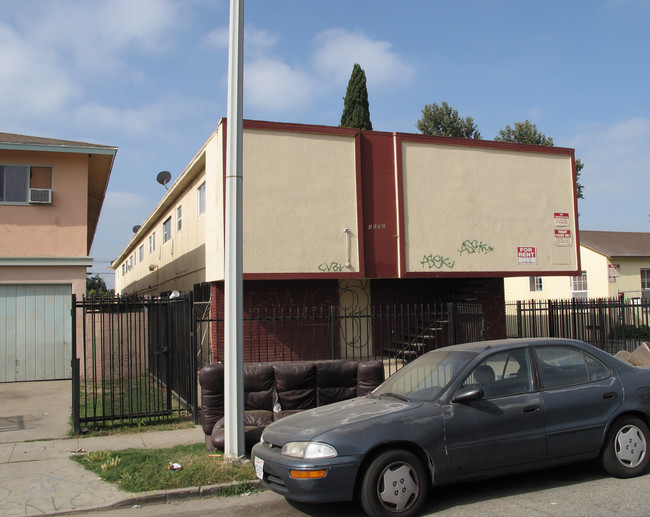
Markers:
point(563, 238)
point(613, 270)
point(561, 218)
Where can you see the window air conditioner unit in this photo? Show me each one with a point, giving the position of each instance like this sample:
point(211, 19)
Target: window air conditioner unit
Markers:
point(40, 195)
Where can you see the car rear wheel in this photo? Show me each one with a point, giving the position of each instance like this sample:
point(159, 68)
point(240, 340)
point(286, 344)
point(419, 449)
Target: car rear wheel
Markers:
point(626, 449)
point(394, 484)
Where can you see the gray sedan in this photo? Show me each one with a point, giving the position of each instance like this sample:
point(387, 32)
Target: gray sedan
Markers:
point(463, 412)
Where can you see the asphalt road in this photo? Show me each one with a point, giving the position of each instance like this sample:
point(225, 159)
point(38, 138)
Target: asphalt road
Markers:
point(578, 490)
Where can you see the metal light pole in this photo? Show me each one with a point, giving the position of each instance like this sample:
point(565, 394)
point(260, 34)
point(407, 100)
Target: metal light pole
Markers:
point(233, 274)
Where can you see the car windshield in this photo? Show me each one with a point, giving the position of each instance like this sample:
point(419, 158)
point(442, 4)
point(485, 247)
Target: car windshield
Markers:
point(425, 378)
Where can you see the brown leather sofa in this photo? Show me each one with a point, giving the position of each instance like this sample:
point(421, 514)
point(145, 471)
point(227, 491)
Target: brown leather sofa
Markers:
point(275, 390)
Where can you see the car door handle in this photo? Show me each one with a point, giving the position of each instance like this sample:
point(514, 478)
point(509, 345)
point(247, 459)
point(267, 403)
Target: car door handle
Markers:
point(531, 409)
point(610, 395)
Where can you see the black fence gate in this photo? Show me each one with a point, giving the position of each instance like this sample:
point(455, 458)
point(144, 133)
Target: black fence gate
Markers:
point(611, 324)
point(134, 360)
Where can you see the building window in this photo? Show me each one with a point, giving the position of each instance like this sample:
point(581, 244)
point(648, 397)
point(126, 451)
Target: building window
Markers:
point(579, 286)
point(141, 253)
point(16, 180)
point(535, 283)
point(167, 229)
point(579, 283)
point(645, 279)
point(152, 243)
point(179, 218)
point(13, 184)
point(200, 199)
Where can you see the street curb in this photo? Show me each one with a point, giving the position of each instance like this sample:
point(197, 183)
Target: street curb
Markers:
point(180, 494)
point(168, 496)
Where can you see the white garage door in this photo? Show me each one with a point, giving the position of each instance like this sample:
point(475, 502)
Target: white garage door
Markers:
point(35, 332)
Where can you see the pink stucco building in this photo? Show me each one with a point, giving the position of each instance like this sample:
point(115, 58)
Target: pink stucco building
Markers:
point(51, 195)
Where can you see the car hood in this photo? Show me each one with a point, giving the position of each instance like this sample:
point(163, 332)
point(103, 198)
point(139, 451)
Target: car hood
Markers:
point(309, 424)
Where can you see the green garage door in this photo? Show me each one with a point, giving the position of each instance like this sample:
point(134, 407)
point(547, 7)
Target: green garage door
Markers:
point(35, 332)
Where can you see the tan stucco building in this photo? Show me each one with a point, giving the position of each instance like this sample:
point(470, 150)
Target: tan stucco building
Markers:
point(340, 216)
point(614, 265)
point(51, 195)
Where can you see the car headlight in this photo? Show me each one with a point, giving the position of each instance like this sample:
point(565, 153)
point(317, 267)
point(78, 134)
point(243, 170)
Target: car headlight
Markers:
point(308, 450)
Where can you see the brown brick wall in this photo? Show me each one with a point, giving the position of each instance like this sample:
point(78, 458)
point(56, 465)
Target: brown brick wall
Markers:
point(275, 339)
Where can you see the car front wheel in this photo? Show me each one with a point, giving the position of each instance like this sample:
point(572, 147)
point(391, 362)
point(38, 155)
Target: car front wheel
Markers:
point(394, 484)
point(626, 449)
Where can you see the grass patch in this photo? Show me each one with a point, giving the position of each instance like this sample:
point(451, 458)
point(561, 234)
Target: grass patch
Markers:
point(129, 404)
point(139, 426)
point(143, 470)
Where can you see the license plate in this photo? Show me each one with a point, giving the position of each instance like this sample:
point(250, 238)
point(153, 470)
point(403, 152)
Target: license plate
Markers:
point(259, 467)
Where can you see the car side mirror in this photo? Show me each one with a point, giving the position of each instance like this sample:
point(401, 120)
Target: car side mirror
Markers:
point(468, 394)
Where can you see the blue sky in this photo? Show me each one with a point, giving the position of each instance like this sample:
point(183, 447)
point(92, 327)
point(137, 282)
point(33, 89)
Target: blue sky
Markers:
point(149, 77)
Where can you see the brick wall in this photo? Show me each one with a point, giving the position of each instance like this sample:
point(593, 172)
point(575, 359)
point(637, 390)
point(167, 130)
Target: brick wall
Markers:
point(293, 316)
point(306, 303)
point(488, 292)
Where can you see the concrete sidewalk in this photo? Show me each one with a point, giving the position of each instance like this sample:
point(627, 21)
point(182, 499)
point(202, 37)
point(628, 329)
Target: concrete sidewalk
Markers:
point(37, 477)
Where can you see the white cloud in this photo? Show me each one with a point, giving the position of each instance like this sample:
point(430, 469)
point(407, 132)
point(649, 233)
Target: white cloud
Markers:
point(53, 51)
point(139, 121)
point(338, 50)
point(256, 41)
point(217, 39)
point(32, 82)
point(274, 85)
point(95, 34)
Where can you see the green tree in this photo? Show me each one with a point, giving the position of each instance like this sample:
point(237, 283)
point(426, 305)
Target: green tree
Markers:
point(96, 287)
point(444, 120)
point(527, 133)
point(523, 133)
point(356, 110)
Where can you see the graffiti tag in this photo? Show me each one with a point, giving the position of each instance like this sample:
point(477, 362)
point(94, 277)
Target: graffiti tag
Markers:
point(330, 267)
point(437, 261)
point(472, 247)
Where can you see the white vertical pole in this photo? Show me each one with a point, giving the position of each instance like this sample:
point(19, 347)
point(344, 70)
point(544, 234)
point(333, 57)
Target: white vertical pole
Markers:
point(233, 314)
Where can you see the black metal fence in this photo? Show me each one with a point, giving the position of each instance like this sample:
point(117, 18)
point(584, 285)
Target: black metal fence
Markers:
point(134, 360)
point(396, 334)
point(610, 324)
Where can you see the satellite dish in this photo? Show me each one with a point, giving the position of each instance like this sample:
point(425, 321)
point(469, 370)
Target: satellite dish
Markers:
point(163, 178)
point(136, 228)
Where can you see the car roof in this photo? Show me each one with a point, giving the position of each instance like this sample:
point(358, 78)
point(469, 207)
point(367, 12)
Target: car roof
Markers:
point(506, 344)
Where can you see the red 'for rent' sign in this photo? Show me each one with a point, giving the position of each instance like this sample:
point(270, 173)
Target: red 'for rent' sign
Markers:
point(527, 254)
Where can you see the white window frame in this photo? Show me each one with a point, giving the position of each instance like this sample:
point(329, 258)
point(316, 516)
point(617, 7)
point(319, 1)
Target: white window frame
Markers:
point(645, 279)
point(141, 252)
point(152, 243)
point(536, 284)
point(3, 178)
point(579, 286)
point(179, 218)
point(28, 181)
point(167, 229)
point(200, 199)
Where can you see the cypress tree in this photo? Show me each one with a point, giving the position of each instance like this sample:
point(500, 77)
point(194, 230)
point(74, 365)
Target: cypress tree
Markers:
point(356, 111)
